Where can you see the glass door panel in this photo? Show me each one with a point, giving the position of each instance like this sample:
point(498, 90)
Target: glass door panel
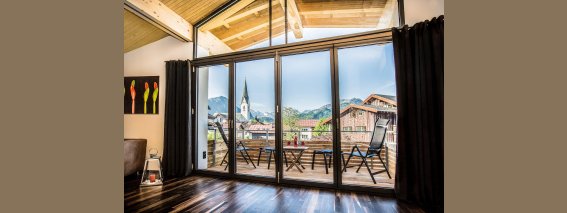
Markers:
point(367, 91)
point(255, 118)
point(306, 111)
point(212, 118)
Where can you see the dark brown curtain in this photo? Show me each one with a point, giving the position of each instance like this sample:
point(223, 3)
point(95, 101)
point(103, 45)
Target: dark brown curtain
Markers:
point(418, 53)
point(177, 149)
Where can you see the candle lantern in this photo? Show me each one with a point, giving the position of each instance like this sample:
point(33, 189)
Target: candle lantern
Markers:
point(152, 175)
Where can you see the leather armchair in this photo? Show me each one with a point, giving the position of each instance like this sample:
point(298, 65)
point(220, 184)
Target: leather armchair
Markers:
point(134, 155)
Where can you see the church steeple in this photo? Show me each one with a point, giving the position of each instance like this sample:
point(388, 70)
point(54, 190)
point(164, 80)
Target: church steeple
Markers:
point(245, 103)
point(245, 94)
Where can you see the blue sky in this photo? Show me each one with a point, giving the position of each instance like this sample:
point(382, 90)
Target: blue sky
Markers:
point(306, 79)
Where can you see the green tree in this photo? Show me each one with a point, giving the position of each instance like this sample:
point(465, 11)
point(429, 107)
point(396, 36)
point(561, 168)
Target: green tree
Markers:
point(290, 116)
point(320, 127)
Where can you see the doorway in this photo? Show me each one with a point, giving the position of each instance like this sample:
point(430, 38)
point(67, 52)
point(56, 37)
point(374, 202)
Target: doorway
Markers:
point(294, 114)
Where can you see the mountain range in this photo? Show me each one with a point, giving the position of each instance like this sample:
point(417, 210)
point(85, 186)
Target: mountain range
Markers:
point(220, 104)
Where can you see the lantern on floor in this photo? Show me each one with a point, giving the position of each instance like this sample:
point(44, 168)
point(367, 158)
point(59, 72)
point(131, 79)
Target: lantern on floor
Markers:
point(152, 175)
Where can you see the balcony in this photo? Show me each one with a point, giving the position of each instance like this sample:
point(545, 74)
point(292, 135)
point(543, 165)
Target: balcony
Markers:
point(317, 140)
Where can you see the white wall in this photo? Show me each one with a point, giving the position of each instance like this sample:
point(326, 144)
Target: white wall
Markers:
point(202, 124)
point(421, 10)
point(149, 60)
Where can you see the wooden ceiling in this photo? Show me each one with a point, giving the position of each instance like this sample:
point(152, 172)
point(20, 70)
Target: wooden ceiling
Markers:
point(138, 32)
point(247, 22)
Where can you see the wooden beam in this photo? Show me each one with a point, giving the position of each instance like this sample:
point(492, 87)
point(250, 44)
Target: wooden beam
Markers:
point(212, 44)
point(294, 19)
point(246, 25)
point(162, 17)
point(254, 10)
point(250, 29)
point(237, 45)
point(386, 18)
point(220, 19)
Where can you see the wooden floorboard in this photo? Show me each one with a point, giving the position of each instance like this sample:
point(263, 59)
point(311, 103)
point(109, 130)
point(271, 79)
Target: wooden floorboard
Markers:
point(211, 194)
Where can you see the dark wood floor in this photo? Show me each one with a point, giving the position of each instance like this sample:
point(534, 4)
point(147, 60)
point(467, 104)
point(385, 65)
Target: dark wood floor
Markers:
point(209, 194)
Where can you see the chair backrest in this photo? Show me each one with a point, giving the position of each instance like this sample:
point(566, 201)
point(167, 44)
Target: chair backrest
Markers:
point(221, 131)
point(379, 133)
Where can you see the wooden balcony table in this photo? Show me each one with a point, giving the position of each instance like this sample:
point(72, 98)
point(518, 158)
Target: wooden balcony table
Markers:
point(295, 159)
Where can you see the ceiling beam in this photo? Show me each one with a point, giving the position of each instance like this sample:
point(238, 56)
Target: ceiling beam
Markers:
point(220, 19)
point(294, 19)
point(253, 10)
point(386, 18)
point(248, 30)
point(247, 25)
point(162, 17)
point(212, 44)
point(278, 29)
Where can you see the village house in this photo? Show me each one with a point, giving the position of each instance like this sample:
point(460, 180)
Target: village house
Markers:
point(357, 120)
point(306, 128)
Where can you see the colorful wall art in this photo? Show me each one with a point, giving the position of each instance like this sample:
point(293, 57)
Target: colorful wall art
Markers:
point(141, 95)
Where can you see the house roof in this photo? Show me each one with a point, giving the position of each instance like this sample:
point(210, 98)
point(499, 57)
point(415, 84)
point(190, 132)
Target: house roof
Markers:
point(307, 123)
point(261, 128)
point(365, 107)
point(386, 98)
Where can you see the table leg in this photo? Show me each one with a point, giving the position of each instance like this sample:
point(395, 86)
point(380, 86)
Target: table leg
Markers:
point(295, 161)
point(299, 158)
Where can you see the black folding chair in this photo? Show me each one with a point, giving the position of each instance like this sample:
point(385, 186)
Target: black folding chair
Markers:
point(375, 149)
point(240, 147)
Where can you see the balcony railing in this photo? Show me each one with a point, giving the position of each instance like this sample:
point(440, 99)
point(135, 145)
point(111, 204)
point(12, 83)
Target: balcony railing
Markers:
point(315, 140)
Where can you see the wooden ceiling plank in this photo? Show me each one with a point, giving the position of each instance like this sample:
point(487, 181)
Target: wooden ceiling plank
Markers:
point(162, 16)
point(220, 19)
point(138, 32)
point(194, 10)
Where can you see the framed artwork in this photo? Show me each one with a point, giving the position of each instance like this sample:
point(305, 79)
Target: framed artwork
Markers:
point(141, 95)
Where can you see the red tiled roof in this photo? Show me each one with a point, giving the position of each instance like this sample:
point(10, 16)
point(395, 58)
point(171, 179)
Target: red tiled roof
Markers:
point(260, 127)
point(307, 123)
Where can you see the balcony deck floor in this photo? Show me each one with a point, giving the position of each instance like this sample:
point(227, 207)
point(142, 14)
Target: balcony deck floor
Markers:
point(317, 174)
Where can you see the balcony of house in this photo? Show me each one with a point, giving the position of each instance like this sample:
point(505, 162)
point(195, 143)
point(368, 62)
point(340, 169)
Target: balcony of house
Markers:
point(309, 167)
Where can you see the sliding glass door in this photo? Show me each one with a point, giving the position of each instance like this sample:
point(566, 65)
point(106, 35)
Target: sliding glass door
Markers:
point(213, 138)
point(368, 115)
point(306, 100)
point(321, 114)
point(255, 118)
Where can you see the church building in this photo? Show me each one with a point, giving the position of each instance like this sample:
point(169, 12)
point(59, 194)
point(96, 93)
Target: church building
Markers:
point(245, 103)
